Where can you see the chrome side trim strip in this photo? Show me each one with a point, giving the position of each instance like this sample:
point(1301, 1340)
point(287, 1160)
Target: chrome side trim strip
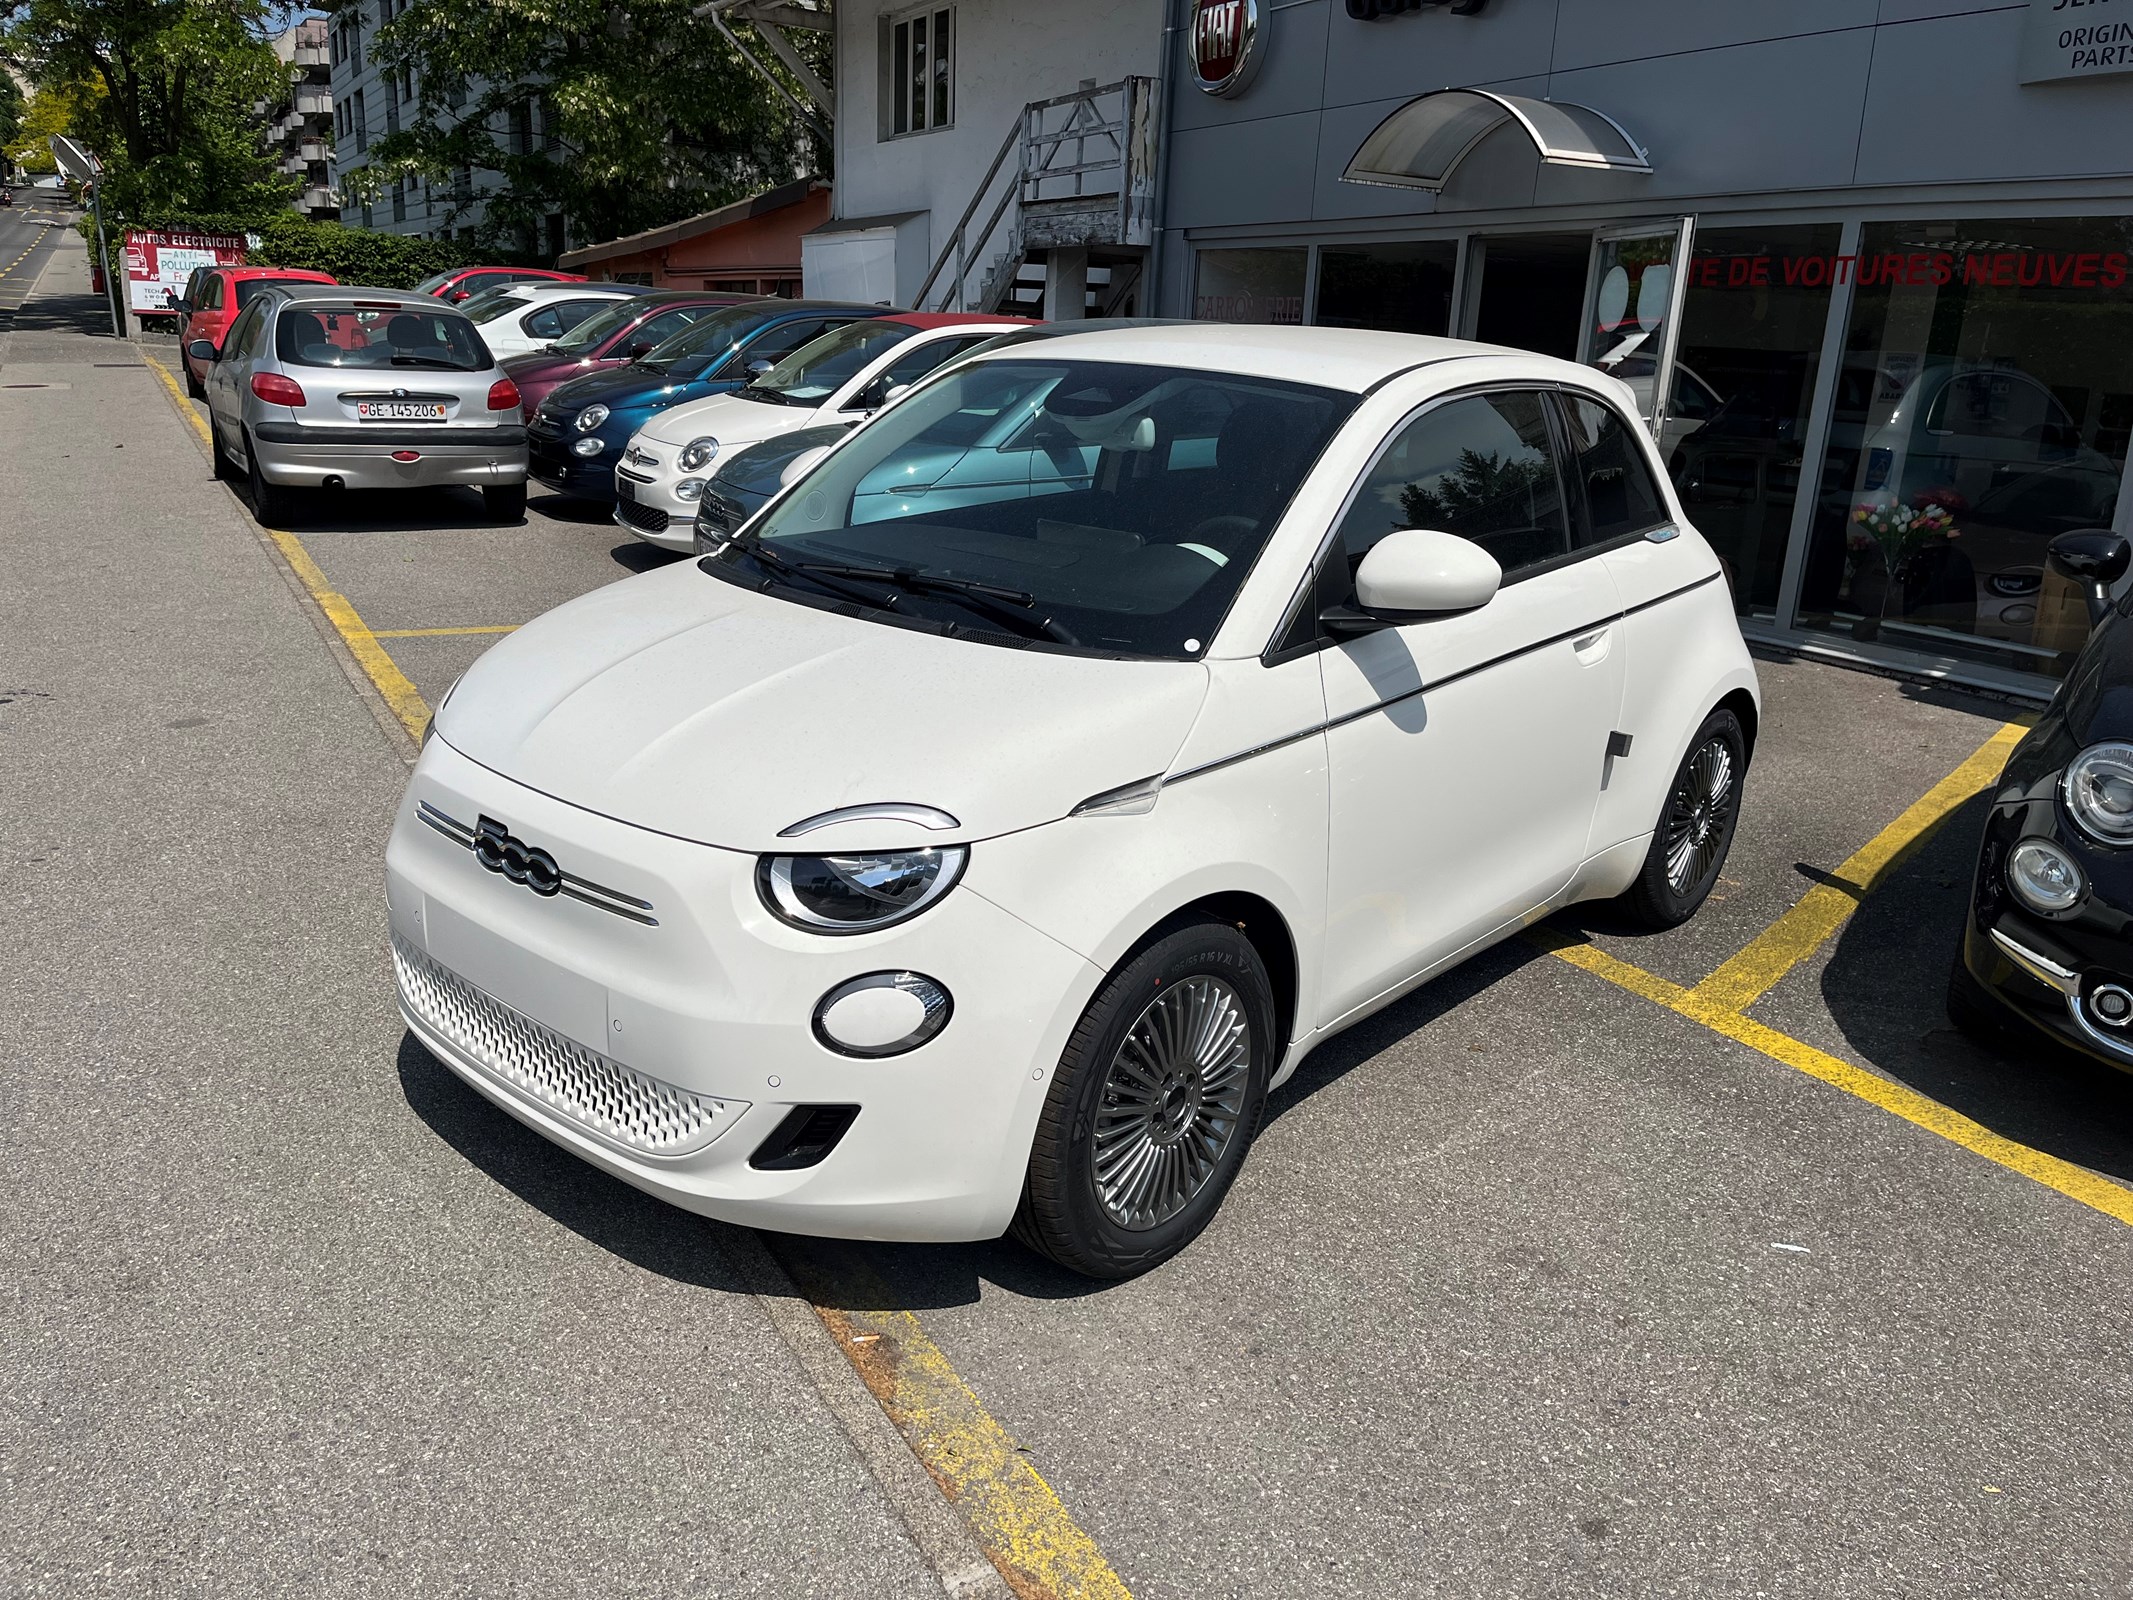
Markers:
point(2045, 971)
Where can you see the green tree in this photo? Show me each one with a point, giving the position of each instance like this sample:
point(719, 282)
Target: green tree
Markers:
point(11, 108)
point(177, 80)
point(620, 114)
point(53, 108)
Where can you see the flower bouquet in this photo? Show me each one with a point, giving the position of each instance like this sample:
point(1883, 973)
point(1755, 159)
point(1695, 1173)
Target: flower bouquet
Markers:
point(1884, 540)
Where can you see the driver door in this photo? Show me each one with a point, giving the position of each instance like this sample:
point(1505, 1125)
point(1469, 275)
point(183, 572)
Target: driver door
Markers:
point(1465, 751)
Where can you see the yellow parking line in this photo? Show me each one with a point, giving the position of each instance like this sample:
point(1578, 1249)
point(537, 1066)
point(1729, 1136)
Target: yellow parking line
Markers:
point(439, 633)
point(1018, 1518)
point(393, 687)
point(1747, 977)
point(2076, 1183)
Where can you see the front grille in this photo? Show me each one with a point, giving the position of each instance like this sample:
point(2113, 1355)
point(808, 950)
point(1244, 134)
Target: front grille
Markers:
point(612, 1103)
point(719, 512)
point(650, 518)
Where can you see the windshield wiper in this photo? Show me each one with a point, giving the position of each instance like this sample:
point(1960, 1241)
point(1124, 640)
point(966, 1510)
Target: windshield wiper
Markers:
point(777, 565)
point(989, 599)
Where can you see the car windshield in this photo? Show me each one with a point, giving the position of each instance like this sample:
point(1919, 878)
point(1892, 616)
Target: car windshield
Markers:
point(314, 333)
point(708, 335)
point(600, 327)
point(437, 280)
point(1100, 506)
point(819, 368)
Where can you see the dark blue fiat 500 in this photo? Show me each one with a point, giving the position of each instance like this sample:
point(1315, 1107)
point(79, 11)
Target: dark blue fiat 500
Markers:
point(580, 431)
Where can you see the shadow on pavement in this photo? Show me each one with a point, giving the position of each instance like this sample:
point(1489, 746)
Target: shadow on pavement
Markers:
point(1883, 988)
point(390, 511)
point(635, 555)
point(86, 314)
point(603, 1211)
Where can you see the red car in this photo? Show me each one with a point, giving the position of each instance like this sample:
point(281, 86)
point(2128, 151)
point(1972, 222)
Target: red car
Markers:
point(213, 297)
point(608, 338)
point(461, 282)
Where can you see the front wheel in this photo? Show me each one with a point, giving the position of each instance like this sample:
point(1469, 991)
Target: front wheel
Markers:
point(1154, 1103)
point(1695, 830)
point(505, 502)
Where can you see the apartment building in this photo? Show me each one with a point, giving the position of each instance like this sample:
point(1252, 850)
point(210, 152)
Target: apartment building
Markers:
point(298, 128)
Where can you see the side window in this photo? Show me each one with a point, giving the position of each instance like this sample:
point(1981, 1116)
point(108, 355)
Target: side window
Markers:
point(1480, 467)
point(546, 323)
point(776, 343)
point(243, 338)
point(211, 293)
point(1605, 463)
point(569, 313)
point(659, 329)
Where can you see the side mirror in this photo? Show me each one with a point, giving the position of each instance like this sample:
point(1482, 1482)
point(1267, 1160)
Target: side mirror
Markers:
point(184, 308)
point(202, 350)
point(2094, 558)
point(761, 365)
point(1414, 574)
point(801, 465)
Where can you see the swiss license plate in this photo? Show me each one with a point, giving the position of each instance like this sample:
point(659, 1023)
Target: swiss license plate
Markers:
point(626, 490)
point(400, 411)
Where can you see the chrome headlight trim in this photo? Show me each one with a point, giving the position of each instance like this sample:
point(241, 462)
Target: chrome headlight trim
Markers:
point(881, 888)
point(2044, 877)
point(590, 418)
point(698, 454)
point(689, 489)
point(2093, 780)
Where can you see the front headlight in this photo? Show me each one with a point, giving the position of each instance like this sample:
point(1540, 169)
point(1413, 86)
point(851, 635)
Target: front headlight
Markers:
point(2098, 787)
point(588, 448)
point(857, 893)
point(698, 454)
point(2044, 877)
point(590, 418)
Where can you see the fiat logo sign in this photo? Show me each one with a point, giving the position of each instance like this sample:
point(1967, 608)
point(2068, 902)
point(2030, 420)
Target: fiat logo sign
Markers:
point(1226, 45)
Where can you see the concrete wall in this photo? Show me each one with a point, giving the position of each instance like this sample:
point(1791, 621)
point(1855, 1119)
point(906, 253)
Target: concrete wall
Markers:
point(1006, 55)
point(1729, 96)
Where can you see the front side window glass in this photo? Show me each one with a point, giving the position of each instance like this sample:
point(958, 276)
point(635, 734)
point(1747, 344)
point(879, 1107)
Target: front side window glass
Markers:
point(1983, 409)
point(603, 325)
point(1103, 506)
point(1480, 467)
point(211, 293)
point(325, 334)
point(1607, 464)
point(820, 367)
point(243, 337)
point(709, 335)
point(773, 345)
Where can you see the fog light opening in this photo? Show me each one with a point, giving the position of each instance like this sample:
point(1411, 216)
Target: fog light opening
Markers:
point(587, 448)
point(2044, 877)
point(882, 1014)
point(2111, 1004)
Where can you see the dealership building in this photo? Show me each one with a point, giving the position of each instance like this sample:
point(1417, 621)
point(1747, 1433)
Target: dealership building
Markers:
point(1864, 263)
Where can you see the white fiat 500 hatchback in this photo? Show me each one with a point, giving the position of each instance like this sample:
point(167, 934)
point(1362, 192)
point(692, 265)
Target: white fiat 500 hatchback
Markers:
point(924, 865)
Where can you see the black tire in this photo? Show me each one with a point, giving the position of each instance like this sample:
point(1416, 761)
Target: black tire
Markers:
point(218, 458)
point(193, 385)
point(270, 505)
point(505, 503)
point(1975, 1013)
point(1200, 973)
point(1695, 828)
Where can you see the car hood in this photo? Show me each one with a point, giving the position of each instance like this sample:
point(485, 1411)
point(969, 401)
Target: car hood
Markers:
point(701, 709)
point(728, 418)
point(555, 369)
point(629, 385)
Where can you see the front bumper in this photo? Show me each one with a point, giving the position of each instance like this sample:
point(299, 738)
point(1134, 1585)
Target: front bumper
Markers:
point(2046, 970)
point(549, 461)
point(666, 1052)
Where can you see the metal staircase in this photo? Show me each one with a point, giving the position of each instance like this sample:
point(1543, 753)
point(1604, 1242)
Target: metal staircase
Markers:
point(1072, 191)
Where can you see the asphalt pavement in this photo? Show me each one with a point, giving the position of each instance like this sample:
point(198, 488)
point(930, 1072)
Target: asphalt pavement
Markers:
point(1533, 1286)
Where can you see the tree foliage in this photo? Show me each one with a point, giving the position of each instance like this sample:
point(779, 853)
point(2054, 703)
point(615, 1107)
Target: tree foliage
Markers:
point(52, 108)
point(174, 83)
point(11, 109)
point(622, 114)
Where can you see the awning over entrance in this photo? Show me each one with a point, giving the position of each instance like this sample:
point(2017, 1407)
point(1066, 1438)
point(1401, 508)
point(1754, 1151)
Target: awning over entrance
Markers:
point(1420, 145)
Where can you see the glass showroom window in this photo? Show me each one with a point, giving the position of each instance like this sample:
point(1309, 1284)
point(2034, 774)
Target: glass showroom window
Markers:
point(1249, 285)
point(1983, 408)
point(919, 68)
point(1744, 378)
point(1401, 288)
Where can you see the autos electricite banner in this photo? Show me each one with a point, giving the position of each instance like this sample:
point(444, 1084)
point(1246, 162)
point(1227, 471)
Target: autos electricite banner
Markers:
point(158, 264)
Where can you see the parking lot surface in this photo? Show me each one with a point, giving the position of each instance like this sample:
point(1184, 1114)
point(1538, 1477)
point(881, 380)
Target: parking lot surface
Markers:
point(1706, 1264)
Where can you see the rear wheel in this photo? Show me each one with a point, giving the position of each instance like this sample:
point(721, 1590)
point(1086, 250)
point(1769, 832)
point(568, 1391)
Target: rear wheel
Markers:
point(269, 503)
point(505, 502)
point(192, 384)
point(1154, 1103)
point(217, 456)
point(1696, 828)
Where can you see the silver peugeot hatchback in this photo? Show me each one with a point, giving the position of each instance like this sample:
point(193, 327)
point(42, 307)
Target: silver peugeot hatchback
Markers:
point(329, 387)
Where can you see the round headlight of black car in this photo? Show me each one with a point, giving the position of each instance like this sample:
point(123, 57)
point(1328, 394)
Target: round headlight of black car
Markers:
point(2098, 787)
point(857, 893)
point(590, 418)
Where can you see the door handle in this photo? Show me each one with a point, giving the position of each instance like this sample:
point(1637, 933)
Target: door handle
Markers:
point(1592, 648)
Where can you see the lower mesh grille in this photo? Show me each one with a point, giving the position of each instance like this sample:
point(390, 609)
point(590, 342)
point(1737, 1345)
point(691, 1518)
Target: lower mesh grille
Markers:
point(649, 518)
point(605, 1099)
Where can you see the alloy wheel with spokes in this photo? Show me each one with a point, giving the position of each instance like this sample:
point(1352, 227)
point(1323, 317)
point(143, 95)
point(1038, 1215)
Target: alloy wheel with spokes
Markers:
point(1171, 1102)
point(1695, 826)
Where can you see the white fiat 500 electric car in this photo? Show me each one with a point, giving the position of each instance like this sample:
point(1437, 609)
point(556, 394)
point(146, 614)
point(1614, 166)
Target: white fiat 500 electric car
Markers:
point(846, 375)
point(894, 872)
